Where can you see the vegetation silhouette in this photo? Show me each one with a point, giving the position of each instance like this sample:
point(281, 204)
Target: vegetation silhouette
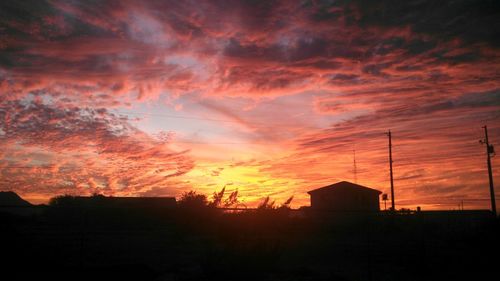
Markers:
point(218, 200)
point(193, 200)
point(201, 239)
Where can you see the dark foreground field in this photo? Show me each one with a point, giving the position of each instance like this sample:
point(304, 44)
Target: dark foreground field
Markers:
point(121, 244)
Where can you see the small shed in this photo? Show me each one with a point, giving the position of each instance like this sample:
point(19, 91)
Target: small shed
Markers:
point(345, 196)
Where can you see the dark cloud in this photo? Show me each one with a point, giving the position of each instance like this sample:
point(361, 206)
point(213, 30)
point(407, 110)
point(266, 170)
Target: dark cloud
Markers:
point(416, 47)
point(47, 44)
point(344, 77)
point(471, 21)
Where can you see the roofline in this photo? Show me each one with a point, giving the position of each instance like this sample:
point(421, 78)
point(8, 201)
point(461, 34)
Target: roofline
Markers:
point(129, 197)
point(362, 186)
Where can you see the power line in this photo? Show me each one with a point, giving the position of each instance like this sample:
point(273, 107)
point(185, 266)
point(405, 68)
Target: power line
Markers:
point(257, 124)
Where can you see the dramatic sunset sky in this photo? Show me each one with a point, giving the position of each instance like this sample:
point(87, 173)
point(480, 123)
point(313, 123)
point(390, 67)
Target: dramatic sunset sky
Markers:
point(154, 98)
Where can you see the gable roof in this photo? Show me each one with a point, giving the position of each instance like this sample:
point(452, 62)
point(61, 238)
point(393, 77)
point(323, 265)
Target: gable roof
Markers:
point(344, 185)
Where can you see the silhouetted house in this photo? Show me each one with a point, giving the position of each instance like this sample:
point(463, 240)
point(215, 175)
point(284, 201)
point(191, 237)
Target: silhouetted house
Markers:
point(142, 202)
point(346, 197)
point(123, 202)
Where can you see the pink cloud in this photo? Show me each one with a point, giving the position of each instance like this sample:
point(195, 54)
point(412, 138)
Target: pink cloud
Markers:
point(82, 151)
point(342, 74)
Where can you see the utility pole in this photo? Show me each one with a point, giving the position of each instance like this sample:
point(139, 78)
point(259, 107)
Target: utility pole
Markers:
point(393, 206)
point(490, 151)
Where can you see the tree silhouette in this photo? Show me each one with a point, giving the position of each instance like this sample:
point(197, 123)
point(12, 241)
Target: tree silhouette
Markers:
point(232, 200)
point(217, 198)
point(219, 202)
point(286, 204)
point(61, 200)
point(193, 200)
point(266, 204)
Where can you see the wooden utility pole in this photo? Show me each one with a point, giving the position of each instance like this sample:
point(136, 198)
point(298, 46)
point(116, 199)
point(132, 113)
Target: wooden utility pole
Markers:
point(393, 205)
point(489, 151)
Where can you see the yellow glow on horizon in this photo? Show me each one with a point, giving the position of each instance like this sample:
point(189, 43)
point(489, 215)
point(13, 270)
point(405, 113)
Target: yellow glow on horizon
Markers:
point(253, 184)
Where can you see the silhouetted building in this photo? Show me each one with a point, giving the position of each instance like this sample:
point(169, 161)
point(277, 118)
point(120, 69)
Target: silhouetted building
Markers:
point(345, 196)
point(122, 202)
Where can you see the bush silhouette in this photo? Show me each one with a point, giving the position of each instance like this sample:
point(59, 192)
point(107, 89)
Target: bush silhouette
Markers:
point(193, 201)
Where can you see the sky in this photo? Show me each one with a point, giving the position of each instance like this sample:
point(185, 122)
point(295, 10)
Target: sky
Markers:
point(270, 98)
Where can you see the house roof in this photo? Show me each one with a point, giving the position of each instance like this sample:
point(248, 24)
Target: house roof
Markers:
point(344, 185)
point(126, 199)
